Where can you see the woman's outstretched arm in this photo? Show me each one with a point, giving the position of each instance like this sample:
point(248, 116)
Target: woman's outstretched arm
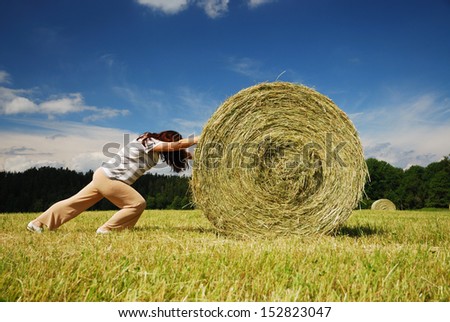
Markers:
point(177, 145)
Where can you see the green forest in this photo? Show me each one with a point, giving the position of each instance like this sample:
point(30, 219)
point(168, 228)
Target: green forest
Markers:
point(35, 190)
point(414, 188)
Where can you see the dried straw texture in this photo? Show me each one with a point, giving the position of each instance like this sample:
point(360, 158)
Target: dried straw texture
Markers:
point(277, 159)
point(383, 204)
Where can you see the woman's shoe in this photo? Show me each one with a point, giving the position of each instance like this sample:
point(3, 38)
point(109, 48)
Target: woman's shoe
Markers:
point(33, 228)
point(103, 231)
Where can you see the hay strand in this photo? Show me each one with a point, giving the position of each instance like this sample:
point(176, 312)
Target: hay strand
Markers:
point(383, 204)
point(276, 159)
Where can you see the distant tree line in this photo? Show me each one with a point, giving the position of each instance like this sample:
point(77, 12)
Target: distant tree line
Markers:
point(414, 188)
point(37, 189)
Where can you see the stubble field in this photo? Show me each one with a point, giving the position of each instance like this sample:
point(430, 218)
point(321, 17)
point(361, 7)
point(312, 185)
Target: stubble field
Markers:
point(177, 256)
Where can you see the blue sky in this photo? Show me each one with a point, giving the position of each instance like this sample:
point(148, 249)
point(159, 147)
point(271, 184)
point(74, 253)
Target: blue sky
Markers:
point(75, 75)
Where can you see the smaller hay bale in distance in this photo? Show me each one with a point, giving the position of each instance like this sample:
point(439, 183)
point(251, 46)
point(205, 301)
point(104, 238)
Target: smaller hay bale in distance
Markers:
point(278, 159)
point(383, 204)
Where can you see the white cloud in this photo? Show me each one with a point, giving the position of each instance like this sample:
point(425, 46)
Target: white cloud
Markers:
point(21, 163)
point(19, 105)
point(164, 169)
point(413, 132)
point(71, 103)
point(85, 161)
point(4, 77)
point(14, 101)
point(73, 145)
point(213, 8)
point(104, 113)
point(257, 3)
point(166, 6)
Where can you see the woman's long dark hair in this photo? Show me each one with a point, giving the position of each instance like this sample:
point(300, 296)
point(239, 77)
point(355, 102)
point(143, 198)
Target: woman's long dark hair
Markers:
point(177, 160)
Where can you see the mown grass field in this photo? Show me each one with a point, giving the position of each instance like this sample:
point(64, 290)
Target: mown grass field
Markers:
point(176, 256)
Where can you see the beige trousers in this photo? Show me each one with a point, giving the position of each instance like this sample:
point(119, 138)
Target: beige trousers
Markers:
point(130, 202)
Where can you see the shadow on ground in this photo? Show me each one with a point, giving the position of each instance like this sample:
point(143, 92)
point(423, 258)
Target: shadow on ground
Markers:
point(200, 230)
point(359, 231)
point(349, 231)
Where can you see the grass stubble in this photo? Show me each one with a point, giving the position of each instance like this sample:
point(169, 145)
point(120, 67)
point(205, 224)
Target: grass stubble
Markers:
point(178, 256)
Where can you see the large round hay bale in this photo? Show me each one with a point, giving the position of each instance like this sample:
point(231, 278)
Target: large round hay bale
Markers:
point(276, 159)
point(383, 204)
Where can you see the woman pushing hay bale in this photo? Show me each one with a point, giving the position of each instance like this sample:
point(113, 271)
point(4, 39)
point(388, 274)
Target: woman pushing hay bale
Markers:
point(277, 159)
point(383, 204)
